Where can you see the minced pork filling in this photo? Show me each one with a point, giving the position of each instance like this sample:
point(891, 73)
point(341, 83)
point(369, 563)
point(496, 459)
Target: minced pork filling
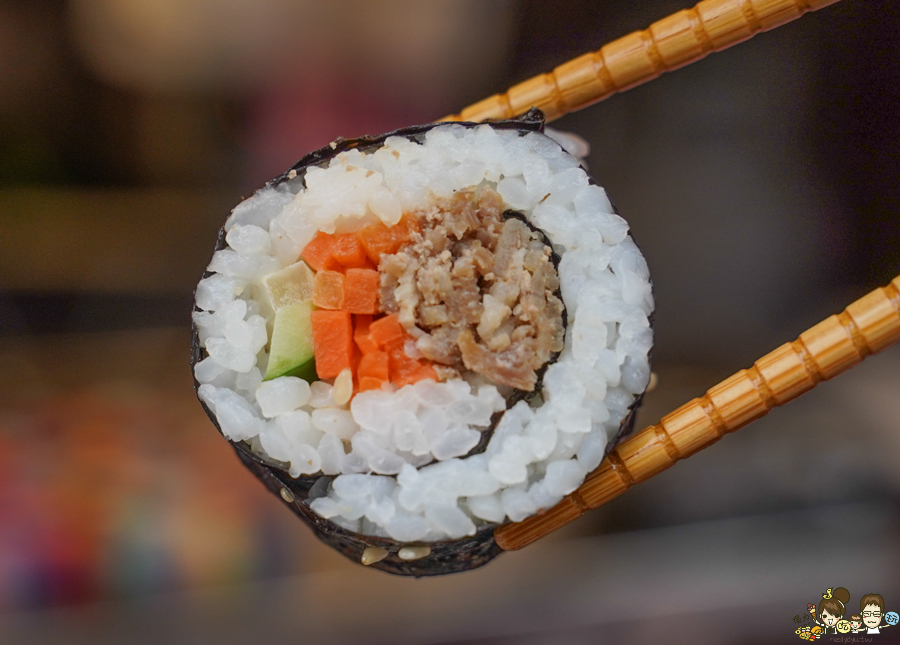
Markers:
point(476, 291)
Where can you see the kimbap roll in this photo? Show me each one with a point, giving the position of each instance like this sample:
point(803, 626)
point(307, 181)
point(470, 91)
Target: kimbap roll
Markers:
point(416, 337)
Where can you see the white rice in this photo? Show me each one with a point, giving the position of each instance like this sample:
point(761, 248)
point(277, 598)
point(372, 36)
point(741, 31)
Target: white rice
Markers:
point(379, 444)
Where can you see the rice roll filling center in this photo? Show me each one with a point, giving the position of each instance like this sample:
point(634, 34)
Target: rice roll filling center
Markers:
point(443, 330)
point(478, 292)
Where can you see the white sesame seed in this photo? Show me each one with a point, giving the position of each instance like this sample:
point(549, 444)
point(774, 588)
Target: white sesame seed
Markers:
point(414, 552)
point(373, 554)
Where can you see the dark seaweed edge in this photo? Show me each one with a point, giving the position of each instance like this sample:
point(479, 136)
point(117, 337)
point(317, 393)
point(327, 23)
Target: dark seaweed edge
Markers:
point(531, 121)
point(447, 556)
point(522, 395)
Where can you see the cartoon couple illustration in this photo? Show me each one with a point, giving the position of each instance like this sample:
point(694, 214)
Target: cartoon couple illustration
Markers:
point(831, 620)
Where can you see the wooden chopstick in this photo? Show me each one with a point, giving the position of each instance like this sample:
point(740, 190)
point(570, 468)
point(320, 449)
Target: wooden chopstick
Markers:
point(670, 43)
point(836, 344)
point(867, 326)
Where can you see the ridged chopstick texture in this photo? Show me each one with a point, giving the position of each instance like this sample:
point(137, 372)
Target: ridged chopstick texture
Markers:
point(836, 344)
point(670, 43)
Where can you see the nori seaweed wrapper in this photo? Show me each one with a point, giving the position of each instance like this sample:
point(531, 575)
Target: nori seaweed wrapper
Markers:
point(447, 556)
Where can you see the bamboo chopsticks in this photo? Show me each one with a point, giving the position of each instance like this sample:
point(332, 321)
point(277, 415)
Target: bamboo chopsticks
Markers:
point(867, 326)
point(670, 43)
point(836, 344)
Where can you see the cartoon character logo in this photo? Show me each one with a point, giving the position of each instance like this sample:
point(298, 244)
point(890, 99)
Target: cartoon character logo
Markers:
point(831, 609)
point(871, 606)
point(808, 634)
point(829, 616)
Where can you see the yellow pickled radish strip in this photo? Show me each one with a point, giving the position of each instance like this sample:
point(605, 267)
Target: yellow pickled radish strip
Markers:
point(290, 285)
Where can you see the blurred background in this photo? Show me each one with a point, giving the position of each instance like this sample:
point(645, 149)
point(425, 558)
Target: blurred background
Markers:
point(761, 183)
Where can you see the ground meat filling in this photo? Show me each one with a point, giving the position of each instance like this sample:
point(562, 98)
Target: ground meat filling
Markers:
point(478, 292)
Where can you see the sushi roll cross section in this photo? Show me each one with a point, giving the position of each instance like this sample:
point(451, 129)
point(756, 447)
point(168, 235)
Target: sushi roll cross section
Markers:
point(416, 337)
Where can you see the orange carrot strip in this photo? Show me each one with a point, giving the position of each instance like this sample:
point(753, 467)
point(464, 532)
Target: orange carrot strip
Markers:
point(332, 342)
point(399, 363)
point(370, 383)
point(354, 365)
point(387, 329)
point(329, 290)
point(349, 251)
point(361, 291)
point(319, 252)
point(422, 371)
point(375, 365)
point(405, 370)
point(378, 239)
point(361, 336)
point(404, 229)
